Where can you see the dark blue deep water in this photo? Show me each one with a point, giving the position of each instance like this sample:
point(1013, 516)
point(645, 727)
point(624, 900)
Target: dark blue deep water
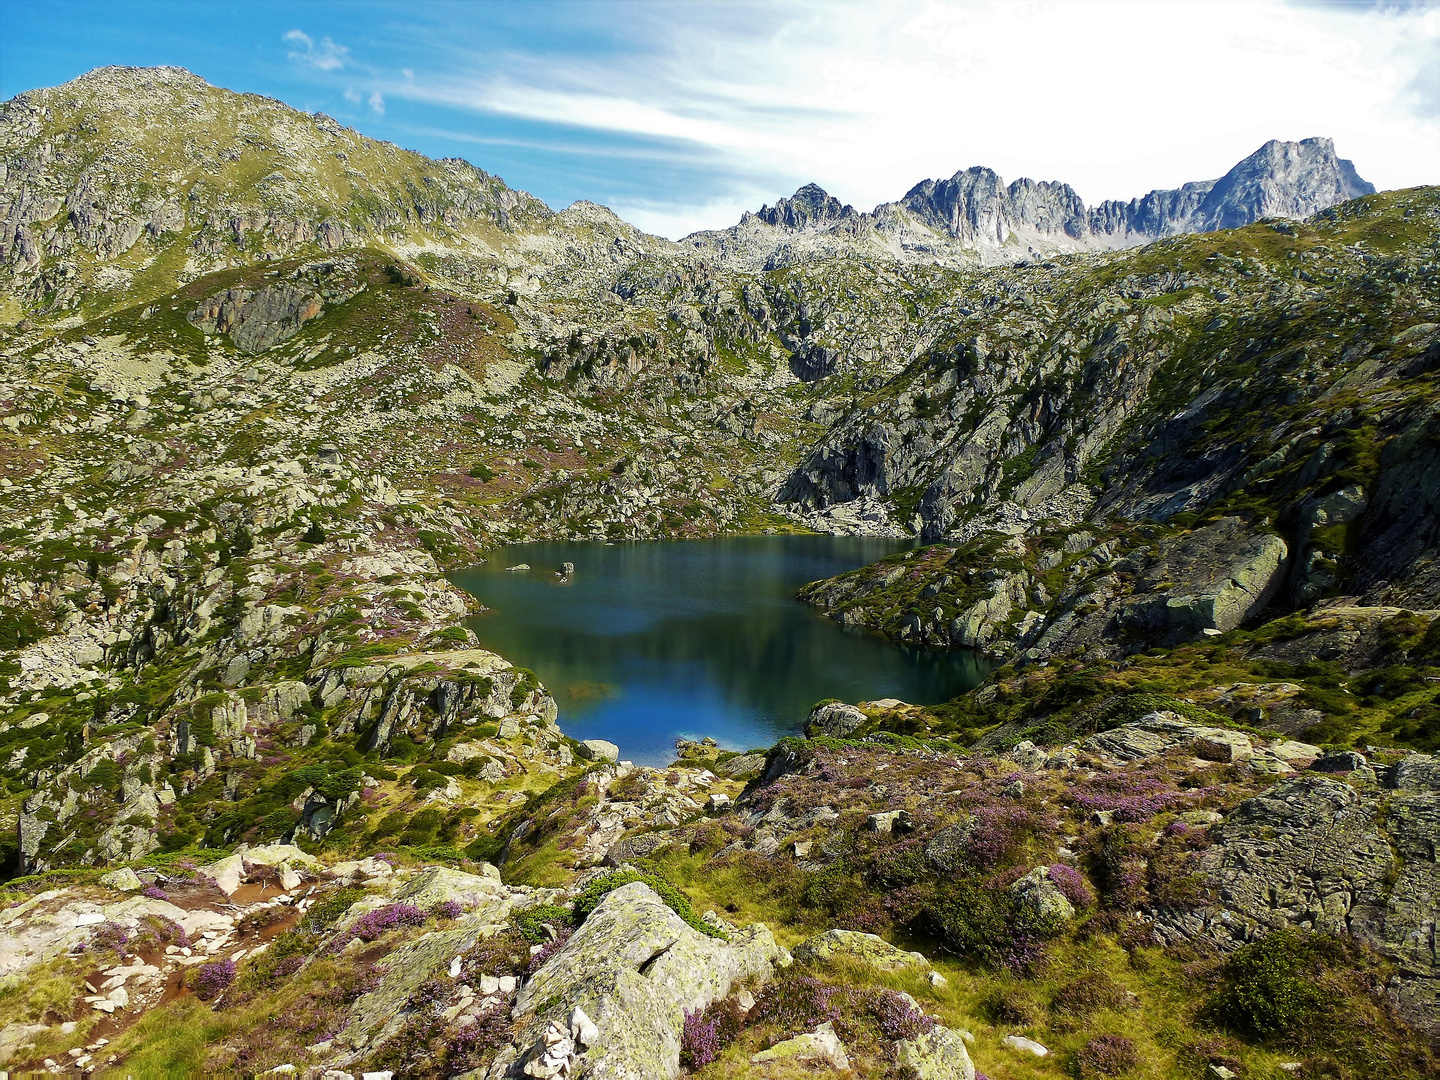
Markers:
point(650, 641)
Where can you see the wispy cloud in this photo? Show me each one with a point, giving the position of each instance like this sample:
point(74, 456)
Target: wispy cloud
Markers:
point(868, 99)
point(377, 103)
point(324, 55)
point(352, 95)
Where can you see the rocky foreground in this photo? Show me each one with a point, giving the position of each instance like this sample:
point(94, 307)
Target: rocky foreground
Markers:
point(1060, 899)
point(271, 806)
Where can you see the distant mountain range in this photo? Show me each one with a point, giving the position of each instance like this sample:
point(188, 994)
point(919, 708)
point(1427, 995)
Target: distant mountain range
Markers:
point(976, 212)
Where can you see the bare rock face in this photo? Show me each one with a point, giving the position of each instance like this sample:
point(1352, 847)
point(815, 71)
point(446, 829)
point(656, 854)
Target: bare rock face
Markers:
point(976, 213)
point(260, 319)
point(1213, 579)
point(635, 968)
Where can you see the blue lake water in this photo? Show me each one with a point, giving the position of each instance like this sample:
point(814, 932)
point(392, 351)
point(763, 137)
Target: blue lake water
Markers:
point(652, 641)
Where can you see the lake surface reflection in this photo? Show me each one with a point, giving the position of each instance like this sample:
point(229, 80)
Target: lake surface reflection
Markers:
point(651, 641)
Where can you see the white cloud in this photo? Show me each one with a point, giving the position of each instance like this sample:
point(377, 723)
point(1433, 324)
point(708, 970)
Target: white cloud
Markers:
point(325, 56)
point(377, 103)
point(1114, 97)
point(352, 95)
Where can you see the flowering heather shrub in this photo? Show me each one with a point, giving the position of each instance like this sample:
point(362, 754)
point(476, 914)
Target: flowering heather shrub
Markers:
point(154, 892)
point(549, 949)
point(707, 1032)
point(448, 909)
point(1106, 1055)
point(996, 834)
point(433, 991)
point(1072, 885)
point(212, 978)
point(868, 916)
point(156, 931)
point(1131, 798)
point(382, 920)
point(110, 935)
point(505, 953)
point(472, 1045)
point(1120, 868)
point(801, 1002)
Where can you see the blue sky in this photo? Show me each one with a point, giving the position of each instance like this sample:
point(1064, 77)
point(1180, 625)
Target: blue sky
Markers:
point(681, 115)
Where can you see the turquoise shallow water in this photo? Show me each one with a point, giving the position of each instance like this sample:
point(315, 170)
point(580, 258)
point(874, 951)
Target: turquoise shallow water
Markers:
point(651, 641)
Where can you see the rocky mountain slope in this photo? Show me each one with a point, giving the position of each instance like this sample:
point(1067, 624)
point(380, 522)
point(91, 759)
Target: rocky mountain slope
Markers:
point(263, 381)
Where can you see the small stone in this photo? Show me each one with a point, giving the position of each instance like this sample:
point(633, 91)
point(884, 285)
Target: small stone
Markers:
point(1024, 1045)
point(583, 1029)
point(1220, 1072)
point(717, 801)
point(803, 848)
point(891, 821)
point(937, 980)
point(746, 1000)
point(455, 966)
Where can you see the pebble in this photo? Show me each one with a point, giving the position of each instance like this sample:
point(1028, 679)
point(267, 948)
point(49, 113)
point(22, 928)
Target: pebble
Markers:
point(1024, 1045)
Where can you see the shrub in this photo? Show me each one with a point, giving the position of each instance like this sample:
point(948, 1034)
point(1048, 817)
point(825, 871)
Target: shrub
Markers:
point(1089, 994)
point(448, 909)
point(532, 922)
point(1106, 1055)
point(1269, 988)
point(327, 911)
point(896, 1017)
point(211, 979)
point(1072, 885)
point(1009, 1005)
point(473, 1044)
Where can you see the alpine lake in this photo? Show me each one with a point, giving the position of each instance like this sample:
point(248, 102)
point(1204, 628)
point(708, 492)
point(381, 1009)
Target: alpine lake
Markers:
point(647, 642)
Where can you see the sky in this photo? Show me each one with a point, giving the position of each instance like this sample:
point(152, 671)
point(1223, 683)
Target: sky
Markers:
point(680, 116)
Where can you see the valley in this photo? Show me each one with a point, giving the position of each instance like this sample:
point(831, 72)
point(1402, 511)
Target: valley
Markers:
point(1139, 506)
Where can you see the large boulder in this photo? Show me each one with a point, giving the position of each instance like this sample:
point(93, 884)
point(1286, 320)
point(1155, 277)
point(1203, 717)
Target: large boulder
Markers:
point(1157, 732)
point(835, 720)
point(938, 1054)
point(1036, 892)
point(598, 750)
point(1214, 578)
point(817, 1050)
point(635, 968)
point(866, 949)
point(438, 884)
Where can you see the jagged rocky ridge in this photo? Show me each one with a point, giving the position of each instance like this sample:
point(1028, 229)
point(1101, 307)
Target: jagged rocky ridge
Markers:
point(976, 214)
point(1189, 484)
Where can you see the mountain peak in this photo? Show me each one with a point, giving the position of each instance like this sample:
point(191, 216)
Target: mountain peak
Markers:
point(810, 207)
point(1281, 179)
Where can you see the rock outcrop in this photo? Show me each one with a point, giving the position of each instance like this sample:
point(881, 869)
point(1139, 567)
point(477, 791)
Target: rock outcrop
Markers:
point(1320, 853)
point(634, 967)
